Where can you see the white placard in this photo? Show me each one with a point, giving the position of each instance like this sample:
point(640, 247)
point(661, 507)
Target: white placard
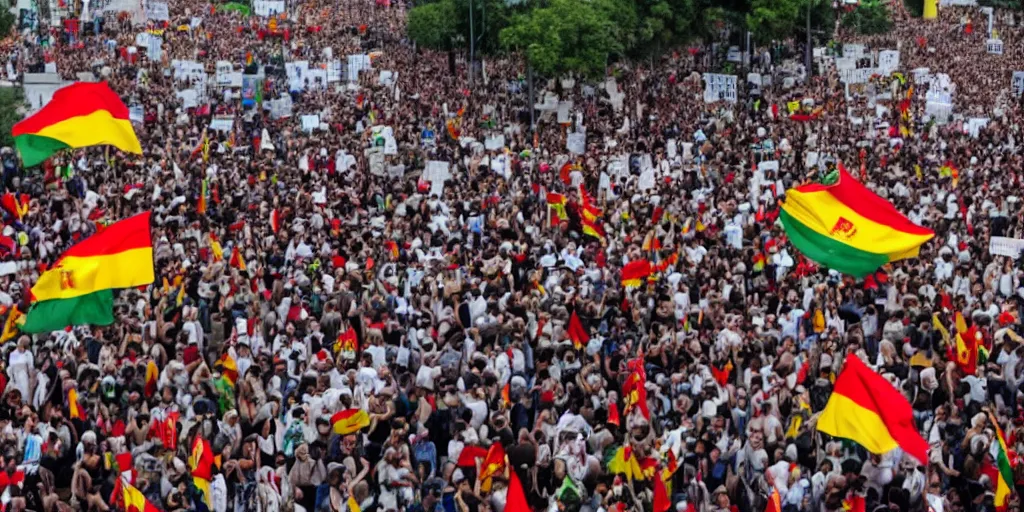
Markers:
point(564, 108)
point(157, 11)
point(267, 8)
point(494, 142)
point(994, 46)
point(1017, 83)
point(281, 107)
point(719, 87)
point(387, 77)
point(768, 165)
point(974, 126)
point(940, 112)
point(136, 114)
point(853, 51)
point(334, 71)
point(646, 181)
point(1003, 246)
point(856, 76)
point(222, 123)
point(377, 163)
point(576, 143)
point(154, 51)
point(357, 63)
point(960, 3)
point(436, 173)
point(189, 98)
point(888, 61)
point(310, 122)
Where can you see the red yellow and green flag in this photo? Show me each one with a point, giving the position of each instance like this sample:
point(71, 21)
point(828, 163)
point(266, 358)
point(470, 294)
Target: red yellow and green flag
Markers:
point(846, 227)
point(77, 289)
point(80, 115)
point(1001, 458)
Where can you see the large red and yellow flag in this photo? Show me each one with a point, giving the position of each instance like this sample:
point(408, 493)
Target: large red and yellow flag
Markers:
point(635, 272)
point(349, 421)
point(846, 227)
point(120, 256)
point(201, 463)
point(968, 340)
point(347, 343)
point(867, 409)
point(80, 115)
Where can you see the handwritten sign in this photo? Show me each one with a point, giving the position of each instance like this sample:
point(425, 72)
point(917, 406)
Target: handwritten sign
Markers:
point(719, 88)
point(994, 46)
point(157, 11)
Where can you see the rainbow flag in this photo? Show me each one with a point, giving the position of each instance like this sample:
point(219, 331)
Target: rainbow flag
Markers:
point(77, 289)
point(867, 409)
point(80, 115)
point(848, 228)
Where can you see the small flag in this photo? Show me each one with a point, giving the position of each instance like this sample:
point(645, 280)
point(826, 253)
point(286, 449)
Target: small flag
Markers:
point(349, 421)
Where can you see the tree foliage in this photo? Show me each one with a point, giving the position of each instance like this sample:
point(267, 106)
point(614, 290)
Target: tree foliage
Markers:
point(434, 25)
point(12, 101)
point(662, 24)
point(572, 36)
point(7, 22)
point(869, 17)
point(774, 20)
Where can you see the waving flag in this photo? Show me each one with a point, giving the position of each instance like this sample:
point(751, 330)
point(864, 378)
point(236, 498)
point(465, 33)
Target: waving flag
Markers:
point(349, 421)
point(228, 368)
point(76, 290)
point(635, 272)
point(152, 375)
point(867, 409)
point(494, 462)
point(848, 228)
point(1001, 458)
point(576, 332)
point(80, 115)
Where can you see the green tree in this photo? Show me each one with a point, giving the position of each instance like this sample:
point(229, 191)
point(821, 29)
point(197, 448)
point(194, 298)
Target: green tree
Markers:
point(7, 22)
point(434, 25)
point(870, 17)
point(12, 109)
point(572, 36)
point(774, 20)
point(662, 24)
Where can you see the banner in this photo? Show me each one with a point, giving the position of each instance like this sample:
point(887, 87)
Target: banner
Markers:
point(1003, 246)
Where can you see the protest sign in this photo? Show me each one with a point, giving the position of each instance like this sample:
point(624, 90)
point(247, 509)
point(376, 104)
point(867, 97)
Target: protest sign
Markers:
point(157, 11)
point(136, 114)
point(576, 143)
point(719, 88)
point(974, 125)
point(994, 46)
point(310, 122)
point(1003, 246)
point(267, 8)
point(1017, 83)
point(494, 142)
point(222, 123)
point(357, 63)
point(853, 51)
point(888, 61)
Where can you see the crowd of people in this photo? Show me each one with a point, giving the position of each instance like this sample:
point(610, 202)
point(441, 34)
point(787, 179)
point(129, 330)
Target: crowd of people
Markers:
point(460, 310)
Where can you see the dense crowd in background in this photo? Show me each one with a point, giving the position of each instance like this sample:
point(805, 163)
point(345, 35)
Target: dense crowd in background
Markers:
point(460, 295)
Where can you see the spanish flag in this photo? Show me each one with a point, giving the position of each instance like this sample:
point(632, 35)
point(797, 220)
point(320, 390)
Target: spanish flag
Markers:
point(506, 399)
point(392, 248)
point(515, 499)
point(237, 261)
point(275, 220)
point(1001, 458)
point(349, 421)
point(76, 290)
point(867, 409)
point(152, 375)
point(494, 462)
point(592, 228)
point(15, 205)
point(228, 368)
point(80, 115)
point(848, 228)
point(588, 210)
point(576, 332)
point(130, 498)
point(635, 272)
point(74, 408)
